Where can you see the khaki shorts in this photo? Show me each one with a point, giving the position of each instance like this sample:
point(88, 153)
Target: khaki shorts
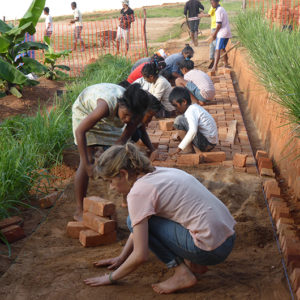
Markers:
point(123, 34)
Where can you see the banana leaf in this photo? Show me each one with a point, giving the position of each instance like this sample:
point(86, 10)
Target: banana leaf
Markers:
point(33, 66)
point(4, 44)
point(29, 46)
point(33, 13)
point(4, 27)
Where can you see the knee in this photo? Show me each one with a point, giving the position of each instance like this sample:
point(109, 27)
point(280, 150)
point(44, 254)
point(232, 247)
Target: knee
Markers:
point(129, 224)
point(180, 82)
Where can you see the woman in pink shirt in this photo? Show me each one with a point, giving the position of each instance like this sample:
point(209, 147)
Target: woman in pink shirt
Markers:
point(171, 213)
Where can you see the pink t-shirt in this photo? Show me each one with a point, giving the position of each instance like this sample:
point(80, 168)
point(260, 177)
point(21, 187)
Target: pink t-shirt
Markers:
point(174, 194)
point(203, 82)
point(222, 17)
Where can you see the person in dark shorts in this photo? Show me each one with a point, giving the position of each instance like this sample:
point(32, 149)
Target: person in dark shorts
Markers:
point(191, 11)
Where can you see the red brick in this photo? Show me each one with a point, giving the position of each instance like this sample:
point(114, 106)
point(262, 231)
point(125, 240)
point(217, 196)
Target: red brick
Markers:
point(260, 153)
point(250, 161)
point(164, 141)
point(15, 220)
point(211, 73)
point(162, 148)
point(98, 224)
point(74, 228)
point(214, 156)
point(90, 238)
point(227, 163)
point(284, 221)
point(295, 279)
point(49, 200)
point(264, 162)
point(267, 172)
point(240, 169)
point(99, 206)
point(280, 212)
point(166, 125)
point(251, 170)
point(172, 150)
point(291, 251)
point(271, 189)
point(239, 160)
point(189, 159)
point(13, 233)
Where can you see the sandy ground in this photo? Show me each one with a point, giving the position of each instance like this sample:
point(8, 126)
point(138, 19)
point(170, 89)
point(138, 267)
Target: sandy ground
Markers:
point(52, 266)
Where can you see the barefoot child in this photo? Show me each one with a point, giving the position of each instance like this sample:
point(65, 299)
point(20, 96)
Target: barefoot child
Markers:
point(171, 213)
point(222, 33)
point(98, 116)
point(160, 87)
point(200, 127)
point(198, 83)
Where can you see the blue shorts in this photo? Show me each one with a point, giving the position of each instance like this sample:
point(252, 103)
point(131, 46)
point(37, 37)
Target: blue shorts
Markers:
point(191, 86)
point(221, 43)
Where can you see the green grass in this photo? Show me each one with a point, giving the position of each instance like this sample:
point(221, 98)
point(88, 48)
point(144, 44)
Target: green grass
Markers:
point(173, 33)
point(29, 144)
point(276, 57)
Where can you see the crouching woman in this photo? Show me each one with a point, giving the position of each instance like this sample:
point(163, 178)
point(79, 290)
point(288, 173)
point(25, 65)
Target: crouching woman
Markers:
point(171, 213)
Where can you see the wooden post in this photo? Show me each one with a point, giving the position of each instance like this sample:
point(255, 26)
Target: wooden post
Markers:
point(244, 4)
point(145, 33)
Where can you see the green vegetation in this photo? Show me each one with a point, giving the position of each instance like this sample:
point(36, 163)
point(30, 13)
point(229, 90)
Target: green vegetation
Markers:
point(276, 55)
point(14, 61)
point(173, 33)
point(30, 144)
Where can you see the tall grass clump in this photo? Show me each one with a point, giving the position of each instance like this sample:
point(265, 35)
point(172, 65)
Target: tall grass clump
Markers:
point(276, 57)
point(30, 144)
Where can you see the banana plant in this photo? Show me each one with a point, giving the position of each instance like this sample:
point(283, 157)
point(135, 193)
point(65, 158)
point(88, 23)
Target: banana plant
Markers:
point(51, 57)
point(14, 61)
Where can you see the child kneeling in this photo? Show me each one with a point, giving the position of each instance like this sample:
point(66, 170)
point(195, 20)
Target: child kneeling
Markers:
point(200, 127)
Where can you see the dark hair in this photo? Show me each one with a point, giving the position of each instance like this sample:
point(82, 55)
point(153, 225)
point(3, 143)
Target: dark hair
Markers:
point(156, 64)
point(74, 4)
point(179, 94)
point(135, 99)
point(165, 73)
point(188, 48)
point(189, 64)
point(125, 84)
point(154, 104)
point(46, 9)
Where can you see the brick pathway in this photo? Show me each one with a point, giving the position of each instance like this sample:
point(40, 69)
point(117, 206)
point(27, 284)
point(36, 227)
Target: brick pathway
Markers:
point(226, 112)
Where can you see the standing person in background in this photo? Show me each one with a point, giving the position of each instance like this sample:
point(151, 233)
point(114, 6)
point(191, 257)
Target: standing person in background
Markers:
point(222, 33)
point(192, 7)
point(78, 26)
point(126, 18)
point(48, 22)
point(213, 25)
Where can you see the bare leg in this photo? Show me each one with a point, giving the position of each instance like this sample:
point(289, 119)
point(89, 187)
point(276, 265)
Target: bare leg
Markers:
point(182, 278)
point(217, 58)
point(75, 45)
point(82, 45)
point(195, 268)
point(226, 59)
point(81, 185)
point(196, 38)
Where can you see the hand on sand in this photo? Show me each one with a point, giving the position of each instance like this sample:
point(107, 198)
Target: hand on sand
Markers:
point(96, 281)
point(110, 263)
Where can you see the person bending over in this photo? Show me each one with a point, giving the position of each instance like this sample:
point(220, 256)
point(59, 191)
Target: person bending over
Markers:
point(222, 33)
point(198, 83)
point(200, 127)
point(160, 87)
point(171, 213)
point(172, 71)
point(98, 118)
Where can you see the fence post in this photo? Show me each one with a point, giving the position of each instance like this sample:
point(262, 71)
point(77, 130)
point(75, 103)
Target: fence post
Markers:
point(145, 33)
point(244, 5)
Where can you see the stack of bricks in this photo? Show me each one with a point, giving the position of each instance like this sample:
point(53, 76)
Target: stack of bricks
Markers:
point(288, 232)
point(11, 229)
point(233, 136)
point(97, 227)
point(265, 164)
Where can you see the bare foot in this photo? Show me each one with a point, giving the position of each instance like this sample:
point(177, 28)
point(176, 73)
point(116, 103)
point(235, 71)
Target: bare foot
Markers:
point(195, 268)
point(182, 278)
point(78, 217)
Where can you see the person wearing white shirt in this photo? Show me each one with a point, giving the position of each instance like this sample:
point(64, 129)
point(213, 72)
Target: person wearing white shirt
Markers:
point(48, 22)
point(200, 127)
point(222, 33)
point(78, 26)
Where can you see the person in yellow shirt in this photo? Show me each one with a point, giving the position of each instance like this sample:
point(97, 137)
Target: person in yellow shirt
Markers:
point(213, 26)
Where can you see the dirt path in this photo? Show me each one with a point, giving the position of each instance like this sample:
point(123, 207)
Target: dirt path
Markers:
point(53, 266)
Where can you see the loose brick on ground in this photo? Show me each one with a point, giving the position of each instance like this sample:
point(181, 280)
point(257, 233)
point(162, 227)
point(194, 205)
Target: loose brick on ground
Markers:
point(264, 162)
point(231, 132)
point(99, 224)
point(99, 206)
point(239, 160)
point(49, 200)
point(214, 156)
point(261, 153)
point(271, 189)
point(13, 233)
point(267, 172)
point(189, 159)
point(251, 170)
point(90, 238)
point(166, 125)
point(15, 220)
point(284, 221)
point(74, 228)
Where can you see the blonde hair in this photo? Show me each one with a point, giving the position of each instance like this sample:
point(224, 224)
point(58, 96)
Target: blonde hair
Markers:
point(127, 157)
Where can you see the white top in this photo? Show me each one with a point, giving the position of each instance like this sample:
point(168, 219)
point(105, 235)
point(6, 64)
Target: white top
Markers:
point(77, 14)
point(145, 85)
point(48, 21)
point(161, 89)
point(203, 82)
point(178, 196)
point(199, 119)
point(222, 17)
